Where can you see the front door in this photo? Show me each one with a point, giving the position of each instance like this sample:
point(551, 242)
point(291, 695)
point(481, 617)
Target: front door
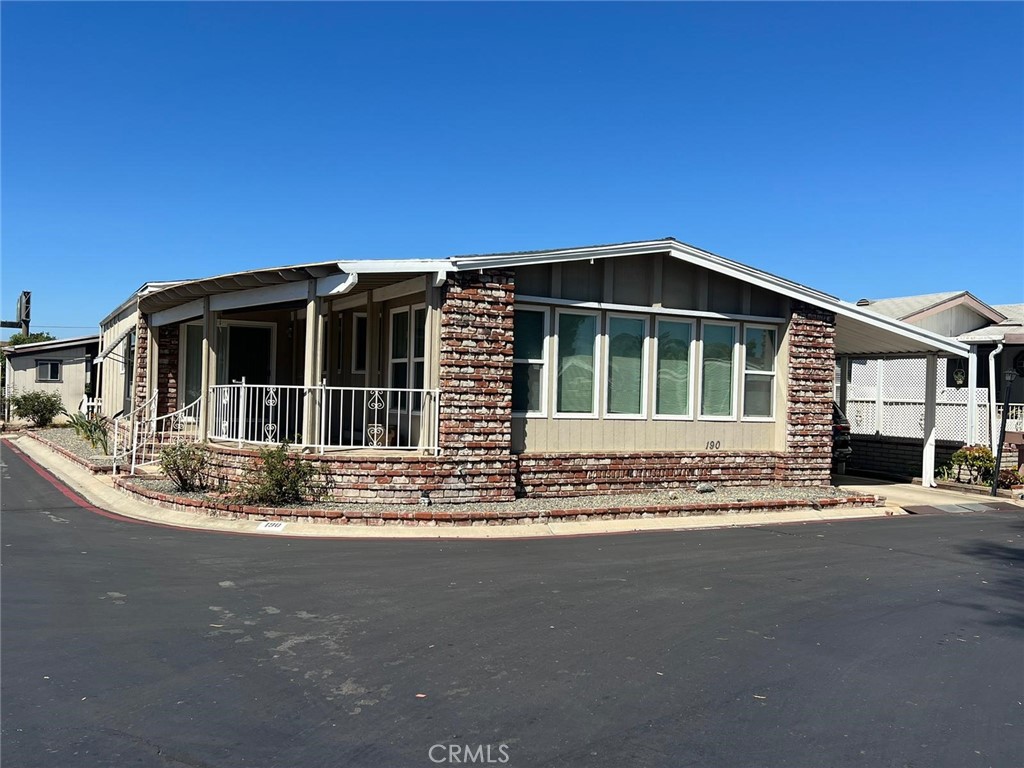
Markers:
point(249, 354)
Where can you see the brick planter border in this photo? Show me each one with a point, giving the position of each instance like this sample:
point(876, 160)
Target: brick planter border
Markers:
point(470, 517)
point(96, 469)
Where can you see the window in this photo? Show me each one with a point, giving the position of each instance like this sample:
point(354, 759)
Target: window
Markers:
point(47, 370)
point(626, 366)
point(359, 342)
point(716, 399)
point(758, 372)
point(672, 372)
point(408, 344)
point(577, 342)
point(528, 374)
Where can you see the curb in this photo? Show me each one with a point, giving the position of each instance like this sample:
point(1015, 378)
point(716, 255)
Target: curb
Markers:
point(96, 469)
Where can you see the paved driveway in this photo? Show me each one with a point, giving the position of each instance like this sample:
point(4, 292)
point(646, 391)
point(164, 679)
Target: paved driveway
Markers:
point(890, 642)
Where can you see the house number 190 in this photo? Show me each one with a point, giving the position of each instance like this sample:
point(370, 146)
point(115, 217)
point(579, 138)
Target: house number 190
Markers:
point(714, 445)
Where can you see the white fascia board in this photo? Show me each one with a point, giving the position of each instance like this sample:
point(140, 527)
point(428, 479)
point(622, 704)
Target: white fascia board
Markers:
point(176, 314)
point(336, 285)
point(260, 297)
point(398, 266)
point(568, 254)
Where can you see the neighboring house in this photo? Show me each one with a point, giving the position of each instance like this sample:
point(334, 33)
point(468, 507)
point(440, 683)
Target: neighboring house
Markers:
point(885, 399)
point(582, 370)
point(64, 366)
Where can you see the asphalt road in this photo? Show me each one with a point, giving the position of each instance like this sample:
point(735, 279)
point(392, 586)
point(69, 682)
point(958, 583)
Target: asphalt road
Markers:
point(891, 642)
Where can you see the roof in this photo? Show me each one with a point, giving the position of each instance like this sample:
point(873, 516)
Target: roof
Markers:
point(1014, 323)
point(143, 289)
point(912, 307)
point(860, 332)
point(50, 346)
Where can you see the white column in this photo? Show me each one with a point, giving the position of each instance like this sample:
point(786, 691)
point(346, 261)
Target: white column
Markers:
point(844, 378)
point(879, 398)
point(208, 375)
point(972, 395)
point(930, 391)
point(311, 367)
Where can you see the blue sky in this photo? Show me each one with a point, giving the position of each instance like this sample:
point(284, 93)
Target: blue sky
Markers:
point(863, 149)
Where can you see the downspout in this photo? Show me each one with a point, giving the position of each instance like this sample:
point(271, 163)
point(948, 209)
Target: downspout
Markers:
point(993, 385)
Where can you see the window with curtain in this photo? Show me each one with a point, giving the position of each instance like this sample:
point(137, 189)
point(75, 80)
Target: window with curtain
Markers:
point(528, 361)
point(673, 368)
point(625, 365)
point(577, 337)
point(717, 369)
point(759, 372)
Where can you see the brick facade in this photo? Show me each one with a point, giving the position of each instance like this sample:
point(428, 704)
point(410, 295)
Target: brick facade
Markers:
point(141, 388)
point(564, 474)
point(167, 369)
point(810, 387)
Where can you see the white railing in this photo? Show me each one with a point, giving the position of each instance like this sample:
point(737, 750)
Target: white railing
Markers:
point(90, 405)
point(342, 417)
point(1014, 416)
point(126, 431)
point(905, 418)
point(155, 434)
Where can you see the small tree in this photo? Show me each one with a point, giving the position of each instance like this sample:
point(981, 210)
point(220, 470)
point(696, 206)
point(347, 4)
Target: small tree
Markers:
point(38, 407)
point(30, 338)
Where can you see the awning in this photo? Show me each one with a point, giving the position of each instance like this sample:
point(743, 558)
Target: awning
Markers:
point(109, 348)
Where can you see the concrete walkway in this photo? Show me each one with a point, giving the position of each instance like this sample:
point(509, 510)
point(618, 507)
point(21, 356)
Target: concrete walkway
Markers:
point(100, 491)
point(900, 495)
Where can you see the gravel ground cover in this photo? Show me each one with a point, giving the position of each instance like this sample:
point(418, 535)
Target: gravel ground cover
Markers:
point(640, 499)
point(66, 438)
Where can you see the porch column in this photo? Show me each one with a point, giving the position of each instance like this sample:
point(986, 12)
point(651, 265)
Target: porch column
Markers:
point(208, 374)
point(972, 395)
point(311, 368)
point(431, 359)
point(152, 367)
point(930, 389)
point(879, 395)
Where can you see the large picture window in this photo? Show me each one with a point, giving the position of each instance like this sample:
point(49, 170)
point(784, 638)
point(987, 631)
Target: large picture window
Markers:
point(717, 366)
point(672, 382)
point(758, 372)
point(626, 365)
point(577, 342)
point(528, 379)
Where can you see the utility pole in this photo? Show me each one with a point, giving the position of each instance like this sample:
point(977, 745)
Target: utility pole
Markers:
point(24, 314)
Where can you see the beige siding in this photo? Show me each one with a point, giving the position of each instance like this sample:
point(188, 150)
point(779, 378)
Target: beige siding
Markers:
point(113, 375)
point(595, 435)
point(952, 321)
point(71, 387)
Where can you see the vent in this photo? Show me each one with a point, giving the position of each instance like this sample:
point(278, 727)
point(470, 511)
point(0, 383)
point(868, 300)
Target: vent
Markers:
point(863, 302)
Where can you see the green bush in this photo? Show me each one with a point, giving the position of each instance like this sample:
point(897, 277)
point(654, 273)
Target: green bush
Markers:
point(977, 461)
point(41, 408)
point(95, 429)
point(277, 478)
point(185, 466)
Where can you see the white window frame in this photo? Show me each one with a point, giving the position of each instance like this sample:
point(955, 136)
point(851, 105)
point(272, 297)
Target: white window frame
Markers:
point(645, 361)
point(773, 373)
point(593, 413)
point(50, 362)
point(411, 359)
point(693, 357)
point(542, 361)
point(355, 341)
point(734, 400)
point(183, 342)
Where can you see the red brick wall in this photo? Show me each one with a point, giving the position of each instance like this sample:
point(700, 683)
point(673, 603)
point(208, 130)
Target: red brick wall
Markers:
point(812, 342)
point(141, 361)
point(565, 474)
point(167, 369)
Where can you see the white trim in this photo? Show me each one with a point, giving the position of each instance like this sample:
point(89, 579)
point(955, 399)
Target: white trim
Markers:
point(397, 266)
point(734, 401)
point(259, 297)
point(691, 368)
point(610, 307)
point(773, 374)
point(176, 314)
point(645, 361)
point(596, 392)
point(543, 361)
point(395, 290)
point(336, 285)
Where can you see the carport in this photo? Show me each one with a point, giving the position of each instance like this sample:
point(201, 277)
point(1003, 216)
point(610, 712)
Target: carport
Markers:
point(862, 334)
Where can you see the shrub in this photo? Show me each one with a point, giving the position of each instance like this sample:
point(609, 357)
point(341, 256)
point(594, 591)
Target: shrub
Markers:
point(185, 466)
point(977, 461)
point(277, 478)
point(38, 407)
point(94, 429)
point(1009, 478)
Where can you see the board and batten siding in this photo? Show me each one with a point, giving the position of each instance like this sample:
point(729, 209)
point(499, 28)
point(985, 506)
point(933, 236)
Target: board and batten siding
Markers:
point(73, 367)
point(646, 285)
point(113, 377)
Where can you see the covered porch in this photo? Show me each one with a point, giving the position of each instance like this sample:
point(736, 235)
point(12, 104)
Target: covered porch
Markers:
point(321, 357)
